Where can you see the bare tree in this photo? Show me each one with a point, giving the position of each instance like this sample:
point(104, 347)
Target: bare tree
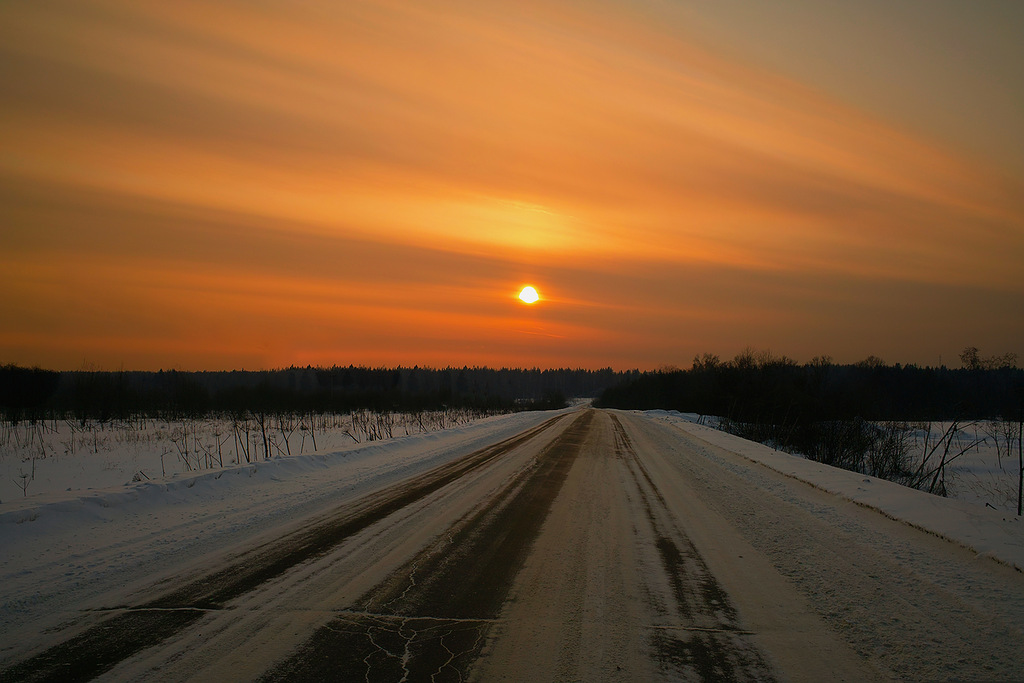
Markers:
point(310, 426)
point(1020, 461)
point(261, 422)
point(24, 479)
point(220, 442)
point(971, 359)
point(286, 425)
point(179, 437)
point(707, 361)
point(241, 431)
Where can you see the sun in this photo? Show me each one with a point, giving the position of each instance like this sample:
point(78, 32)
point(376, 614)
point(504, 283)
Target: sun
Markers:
point(529, 295)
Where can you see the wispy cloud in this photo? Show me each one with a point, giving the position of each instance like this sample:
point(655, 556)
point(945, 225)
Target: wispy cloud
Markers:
point(369, 181)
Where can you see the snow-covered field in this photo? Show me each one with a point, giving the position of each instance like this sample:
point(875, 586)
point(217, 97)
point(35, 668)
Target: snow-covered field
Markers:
point(987, 474)
point(42, 460)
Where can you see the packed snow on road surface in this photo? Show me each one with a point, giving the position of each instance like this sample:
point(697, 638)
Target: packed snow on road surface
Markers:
point(606, 543)
point(965, 519)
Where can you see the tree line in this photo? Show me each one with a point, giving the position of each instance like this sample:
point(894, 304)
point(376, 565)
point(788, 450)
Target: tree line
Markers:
point(760, 387)
point(34, 393)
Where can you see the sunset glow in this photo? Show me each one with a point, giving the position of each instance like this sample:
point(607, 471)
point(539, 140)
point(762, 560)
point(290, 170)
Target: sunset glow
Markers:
point(210, 185)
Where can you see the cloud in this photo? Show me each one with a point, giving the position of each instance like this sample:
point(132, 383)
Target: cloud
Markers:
point(369, 180)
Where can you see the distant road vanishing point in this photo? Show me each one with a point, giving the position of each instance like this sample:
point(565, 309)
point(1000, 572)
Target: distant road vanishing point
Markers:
point(595, 546)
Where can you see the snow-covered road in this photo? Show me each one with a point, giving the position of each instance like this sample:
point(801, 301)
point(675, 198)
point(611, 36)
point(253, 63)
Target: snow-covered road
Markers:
point(587, 545)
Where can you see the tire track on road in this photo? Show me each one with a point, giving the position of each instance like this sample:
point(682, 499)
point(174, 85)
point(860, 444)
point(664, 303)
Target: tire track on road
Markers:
point(130, 630)
point(709, 643)
point(428, 621)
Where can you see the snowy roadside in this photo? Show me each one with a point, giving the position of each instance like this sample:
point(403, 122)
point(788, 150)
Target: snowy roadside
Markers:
point(384, 461)
point(991, 533)
point(64, 548)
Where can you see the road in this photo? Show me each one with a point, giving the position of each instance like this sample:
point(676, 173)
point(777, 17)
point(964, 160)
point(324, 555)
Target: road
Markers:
point(597, 546)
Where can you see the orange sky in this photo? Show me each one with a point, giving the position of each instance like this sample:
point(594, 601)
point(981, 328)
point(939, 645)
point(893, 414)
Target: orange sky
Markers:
point(218, 185)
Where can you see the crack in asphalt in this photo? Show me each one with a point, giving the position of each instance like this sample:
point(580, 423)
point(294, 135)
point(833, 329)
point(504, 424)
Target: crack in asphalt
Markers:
point(393, 647)
point(452, 655)
point(411, 586)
